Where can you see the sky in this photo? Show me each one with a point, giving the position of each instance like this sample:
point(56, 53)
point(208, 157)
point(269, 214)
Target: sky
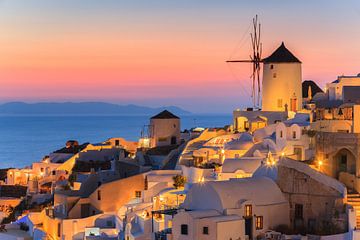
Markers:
point(165, 52)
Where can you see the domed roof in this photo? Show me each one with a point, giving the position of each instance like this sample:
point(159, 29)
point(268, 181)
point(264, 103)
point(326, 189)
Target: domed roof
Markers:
point(281, 55)
point(244, 142)
point(221, 195)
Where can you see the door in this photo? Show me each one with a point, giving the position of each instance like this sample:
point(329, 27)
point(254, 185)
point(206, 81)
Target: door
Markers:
point(85, 210)
point(248, 227)
point(343, 163)
point(298, 153)
point(173, 140)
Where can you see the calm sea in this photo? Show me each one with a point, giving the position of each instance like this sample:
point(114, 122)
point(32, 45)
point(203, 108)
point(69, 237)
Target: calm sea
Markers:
point(25, 139)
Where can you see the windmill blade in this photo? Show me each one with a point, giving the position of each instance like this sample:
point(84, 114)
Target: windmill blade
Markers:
point(255, 59)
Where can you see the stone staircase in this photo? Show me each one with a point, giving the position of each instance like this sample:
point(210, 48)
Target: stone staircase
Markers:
point(353, 199)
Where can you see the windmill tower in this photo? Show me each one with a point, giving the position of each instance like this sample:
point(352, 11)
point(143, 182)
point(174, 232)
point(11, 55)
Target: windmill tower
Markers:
point(281, 87)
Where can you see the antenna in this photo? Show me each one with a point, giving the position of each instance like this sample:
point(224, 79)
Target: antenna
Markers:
point(255, 59)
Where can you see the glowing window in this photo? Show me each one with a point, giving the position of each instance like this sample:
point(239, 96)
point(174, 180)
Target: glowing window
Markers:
point(259, 222)
point(248, 210)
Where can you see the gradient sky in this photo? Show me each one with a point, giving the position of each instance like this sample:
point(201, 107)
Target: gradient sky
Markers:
point(165, 52)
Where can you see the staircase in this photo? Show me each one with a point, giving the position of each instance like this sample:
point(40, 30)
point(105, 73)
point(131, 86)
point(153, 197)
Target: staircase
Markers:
point(353, 199)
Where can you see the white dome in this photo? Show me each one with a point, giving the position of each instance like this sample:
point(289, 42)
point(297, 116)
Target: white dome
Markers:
point(244, 142)
point(221, 195)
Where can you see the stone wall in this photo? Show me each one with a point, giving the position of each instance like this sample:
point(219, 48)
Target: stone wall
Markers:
point(319, 202)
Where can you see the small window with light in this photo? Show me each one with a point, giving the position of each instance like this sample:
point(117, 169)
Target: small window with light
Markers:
point(248, 210)
point(138, 194)
point(259, 223)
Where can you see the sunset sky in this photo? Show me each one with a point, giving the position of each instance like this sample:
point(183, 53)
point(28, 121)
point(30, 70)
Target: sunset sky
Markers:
point(165, 52)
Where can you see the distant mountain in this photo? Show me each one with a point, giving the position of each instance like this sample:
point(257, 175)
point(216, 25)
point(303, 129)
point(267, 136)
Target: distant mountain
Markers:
point(82, 108)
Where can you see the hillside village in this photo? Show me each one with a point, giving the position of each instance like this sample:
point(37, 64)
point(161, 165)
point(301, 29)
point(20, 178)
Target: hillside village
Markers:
point(289, 170)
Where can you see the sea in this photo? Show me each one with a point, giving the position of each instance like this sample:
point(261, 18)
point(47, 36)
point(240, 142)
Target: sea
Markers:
point(27, 139)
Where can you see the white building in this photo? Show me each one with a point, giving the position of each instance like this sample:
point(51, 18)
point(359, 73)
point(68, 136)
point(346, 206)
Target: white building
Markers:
point(335, 89)
point(164, 129)
point(282, 81)
point(231, 209)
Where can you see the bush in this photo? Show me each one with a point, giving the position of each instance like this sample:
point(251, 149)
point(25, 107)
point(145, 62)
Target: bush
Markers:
point(283, 228)
point(179, 181)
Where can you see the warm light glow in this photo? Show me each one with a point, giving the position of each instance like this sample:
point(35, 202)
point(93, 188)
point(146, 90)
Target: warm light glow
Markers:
point(320, 163)
point(222, 151)
point(282, 154)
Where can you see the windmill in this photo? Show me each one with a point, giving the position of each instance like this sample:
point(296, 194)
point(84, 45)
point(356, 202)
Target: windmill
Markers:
point(255, 59)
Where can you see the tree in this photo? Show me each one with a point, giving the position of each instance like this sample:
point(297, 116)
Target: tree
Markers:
point(179, 181)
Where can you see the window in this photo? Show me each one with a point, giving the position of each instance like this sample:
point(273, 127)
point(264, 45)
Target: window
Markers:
point(294, 134)
point(259, 223)
point(42, 169)
point(206, 230)
point(146, 184)
point(184, 229)
point(281, 134)
point(279, 103)
point(117, 142)
point(271, 66)
point(109, 223)
point(248, 210)
point(274, 75)
point(298, 211)
point(59, 230)
point(99, 195)
point(138, 194)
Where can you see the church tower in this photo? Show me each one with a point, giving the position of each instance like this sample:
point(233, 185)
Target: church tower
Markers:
point(281, 84)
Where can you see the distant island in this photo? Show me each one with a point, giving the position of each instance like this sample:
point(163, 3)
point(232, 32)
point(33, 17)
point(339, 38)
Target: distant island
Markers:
point(82, 108)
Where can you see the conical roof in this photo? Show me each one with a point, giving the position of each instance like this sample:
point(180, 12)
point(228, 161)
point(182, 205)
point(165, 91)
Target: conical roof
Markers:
point(165, 115)
point(314, 88)
point(281, 55)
